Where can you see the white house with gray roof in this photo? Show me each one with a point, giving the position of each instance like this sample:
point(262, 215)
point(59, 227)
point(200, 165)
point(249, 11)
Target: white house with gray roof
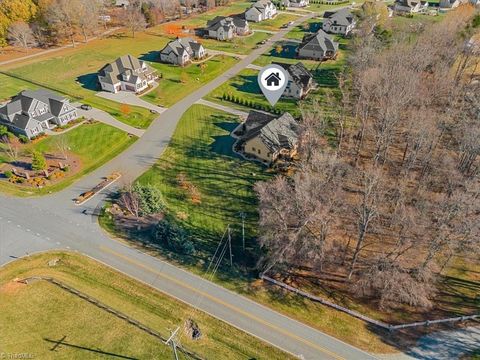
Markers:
point(268, 138)
point(300, 80)
point(226, 28)
point(319, 46)
point(181, 51)
point(127, 73)
point(260, 11)
point(338, 22)
point(33, 111)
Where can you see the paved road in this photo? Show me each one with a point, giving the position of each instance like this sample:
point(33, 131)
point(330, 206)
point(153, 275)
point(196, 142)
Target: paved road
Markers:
point(28, 225)
point(227, 109)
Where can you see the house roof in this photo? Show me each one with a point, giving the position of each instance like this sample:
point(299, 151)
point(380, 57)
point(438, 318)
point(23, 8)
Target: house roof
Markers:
point(277, 133)
point(298, 73)
point(181, 46)
point(318, 41)
point(227, 22)
point(21, 105)
point(340, 17)
point(127, 64)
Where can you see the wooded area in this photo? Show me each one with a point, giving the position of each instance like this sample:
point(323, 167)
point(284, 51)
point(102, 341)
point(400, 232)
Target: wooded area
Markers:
point(386, 205)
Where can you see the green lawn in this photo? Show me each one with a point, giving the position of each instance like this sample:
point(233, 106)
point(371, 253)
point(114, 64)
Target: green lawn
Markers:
point(94, 144)
point(309, 26)
point(245, 86)
point(201, 149)
point(172, 89)
point(324, 7)
point(241, 45)
point(275, 23)
point(36, 313)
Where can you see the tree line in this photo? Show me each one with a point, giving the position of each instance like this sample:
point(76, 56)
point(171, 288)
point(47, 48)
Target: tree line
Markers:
point(43, 23)
point(388, 202)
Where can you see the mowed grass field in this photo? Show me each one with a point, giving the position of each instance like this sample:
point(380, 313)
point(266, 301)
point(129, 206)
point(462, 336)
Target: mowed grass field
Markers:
point(275, 23)
point(93, 144)
point(177, 82)
point(34, 315)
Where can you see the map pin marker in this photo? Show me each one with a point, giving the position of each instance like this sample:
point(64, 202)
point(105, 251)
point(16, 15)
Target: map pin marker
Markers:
point(273, 79)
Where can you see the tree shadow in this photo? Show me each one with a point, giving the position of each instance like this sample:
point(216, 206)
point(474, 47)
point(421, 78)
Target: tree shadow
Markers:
point(248, 84)
point(326, 77)
point(61, 342)
point(288, 50)
point(89, 81)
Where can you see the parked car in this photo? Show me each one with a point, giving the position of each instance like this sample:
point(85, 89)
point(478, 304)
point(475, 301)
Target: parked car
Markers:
point(86, 107)
point(290, 23)
point(262, 42)
point(284, 26)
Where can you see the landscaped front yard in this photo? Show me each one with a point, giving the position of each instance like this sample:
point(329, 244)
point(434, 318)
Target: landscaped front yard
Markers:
point(91, 145)
point(177, 82)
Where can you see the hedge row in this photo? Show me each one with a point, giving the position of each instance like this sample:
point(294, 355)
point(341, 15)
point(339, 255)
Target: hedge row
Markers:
point(250, 104)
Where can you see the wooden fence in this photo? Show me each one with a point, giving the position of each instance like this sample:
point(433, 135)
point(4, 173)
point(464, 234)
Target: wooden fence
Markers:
point(389, 327)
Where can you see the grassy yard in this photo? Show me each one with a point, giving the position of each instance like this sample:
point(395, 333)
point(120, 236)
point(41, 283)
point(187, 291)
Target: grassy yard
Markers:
point(275, 23)
point(309, 26)
point(245, 86)
point(171, 88)
point(36, 313)
point(94, 144)
point(241, 45)
point(201, 150)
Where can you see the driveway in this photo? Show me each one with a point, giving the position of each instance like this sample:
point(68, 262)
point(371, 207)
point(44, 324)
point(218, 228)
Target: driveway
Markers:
point(108, 119)
point(126, 97)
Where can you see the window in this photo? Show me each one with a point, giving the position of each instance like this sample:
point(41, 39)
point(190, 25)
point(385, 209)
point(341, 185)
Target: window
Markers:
point(259, 151)
point(253, 149)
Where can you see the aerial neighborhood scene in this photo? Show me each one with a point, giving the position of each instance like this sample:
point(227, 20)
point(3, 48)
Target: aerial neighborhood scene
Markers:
point(238, 179)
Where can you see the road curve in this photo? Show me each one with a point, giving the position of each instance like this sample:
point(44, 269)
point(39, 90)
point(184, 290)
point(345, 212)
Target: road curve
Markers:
point(28, 225)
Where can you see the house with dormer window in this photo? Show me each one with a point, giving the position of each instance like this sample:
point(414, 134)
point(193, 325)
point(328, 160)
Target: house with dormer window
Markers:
point(127, 73)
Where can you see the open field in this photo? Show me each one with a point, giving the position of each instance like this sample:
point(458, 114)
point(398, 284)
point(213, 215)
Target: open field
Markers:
point(241, 45)
point(33, 313)
point(275, 23)
point(93, 144)
point(178, 82)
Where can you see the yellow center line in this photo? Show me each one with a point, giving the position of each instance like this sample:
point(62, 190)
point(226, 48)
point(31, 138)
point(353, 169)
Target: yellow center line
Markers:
point(221, 302)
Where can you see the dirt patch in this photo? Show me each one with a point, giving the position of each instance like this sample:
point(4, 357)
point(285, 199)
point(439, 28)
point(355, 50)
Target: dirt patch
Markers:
point(12, 287)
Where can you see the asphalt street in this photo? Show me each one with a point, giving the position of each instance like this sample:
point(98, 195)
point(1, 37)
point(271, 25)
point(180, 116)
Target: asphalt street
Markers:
point(30, 225)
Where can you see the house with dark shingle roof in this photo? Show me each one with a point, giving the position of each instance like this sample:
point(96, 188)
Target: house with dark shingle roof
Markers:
point(338, 22)
point(300, 80)
point(261, 10)
point(32, 112)
point(127, 73)
point(269, 138)
point(318, 46)
point(226, 28)
point(181, 51)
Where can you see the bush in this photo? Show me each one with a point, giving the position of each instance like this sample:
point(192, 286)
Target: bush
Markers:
point(38, 161)
point(173, 236)
point(23, 139)
point(151, 199)
point(8, 174)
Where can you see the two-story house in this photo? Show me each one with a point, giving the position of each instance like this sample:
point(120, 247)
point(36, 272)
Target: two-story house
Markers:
point(32, 112)
point(127, 73)
point(181, 51)
point(261, 10)
point(338, 22)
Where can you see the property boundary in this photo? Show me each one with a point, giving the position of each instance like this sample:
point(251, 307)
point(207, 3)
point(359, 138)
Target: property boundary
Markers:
point(112, 311)
point(385, 326)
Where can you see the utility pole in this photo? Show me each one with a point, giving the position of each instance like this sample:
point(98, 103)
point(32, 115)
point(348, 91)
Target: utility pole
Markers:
point(230, 245)
point(171, 340)
point(242, 215)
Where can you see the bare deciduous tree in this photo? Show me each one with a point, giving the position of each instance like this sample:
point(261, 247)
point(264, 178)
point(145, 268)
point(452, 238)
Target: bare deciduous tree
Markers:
point(133, 19)
point(20, 34)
